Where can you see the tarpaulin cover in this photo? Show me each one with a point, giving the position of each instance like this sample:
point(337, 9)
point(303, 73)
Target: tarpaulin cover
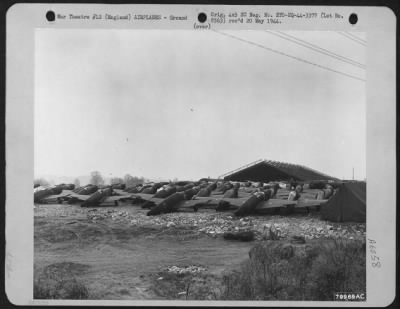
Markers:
point(347, 205)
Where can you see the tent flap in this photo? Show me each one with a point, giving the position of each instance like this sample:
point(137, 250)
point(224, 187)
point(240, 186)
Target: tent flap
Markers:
point(348, 204)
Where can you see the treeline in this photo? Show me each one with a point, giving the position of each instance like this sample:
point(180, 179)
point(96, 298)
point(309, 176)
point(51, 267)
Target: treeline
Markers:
point(40, 182)
point(96, 178)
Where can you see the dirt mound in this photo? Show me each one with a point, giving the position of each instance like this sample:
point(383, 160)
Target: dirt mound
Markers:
point(126, 233)
point(65, 269)
point(56, 234)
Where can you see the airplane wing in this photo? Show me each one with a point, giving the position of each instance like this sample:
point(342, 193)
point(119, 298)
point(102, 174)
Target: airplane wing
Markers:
point(217, 193)
point(121, 192)
point(62, 194)
point(309, 203)
point(114, 198)
point(237, 202)
point(310, 196)
point(55, 198)
point(206, 198)
point(144, 196)
point(156, 200)
point(242, 194)
point(215, 200)
point(274, 203)
point(75, 198)
point(192, 203)
point(312, 191)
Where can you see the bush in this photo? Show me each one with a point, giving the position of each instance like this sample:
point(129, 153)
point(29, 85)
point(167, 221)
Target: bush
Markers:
point(280, 271)
point(339, 267)
point(69, 288)
point(58, 281)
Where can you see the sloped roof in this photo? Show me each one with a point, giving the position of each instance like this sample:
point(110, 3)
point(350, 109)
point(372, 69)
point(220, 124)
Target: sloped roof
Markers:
point(268, 170)
point(348, 204)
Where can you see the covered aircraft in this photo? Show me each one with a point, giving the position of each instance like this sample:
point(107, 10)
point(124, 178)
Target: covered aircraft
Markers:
point(100, 197)
point(168, 198)
point(175, 201)
point(259, 202)
point(44, 192)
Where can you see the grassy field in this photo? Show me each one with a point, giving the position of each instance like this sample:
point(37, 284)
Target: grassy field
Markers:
point(78, 257)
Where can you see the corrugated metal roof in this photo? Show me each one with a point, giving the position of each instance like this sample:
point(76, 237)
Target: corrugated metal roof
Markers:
point(269, 170)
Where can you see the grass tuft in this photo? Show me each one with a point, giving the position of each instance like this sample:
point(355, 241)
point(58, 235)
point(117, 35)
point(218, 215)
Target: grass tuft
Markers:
point(58, 281)
point(281, 271)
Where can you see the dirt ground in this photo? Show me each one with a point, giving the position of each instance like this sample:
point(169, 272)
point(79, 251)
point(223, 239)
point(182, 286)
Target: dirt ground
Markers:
point(120, 253)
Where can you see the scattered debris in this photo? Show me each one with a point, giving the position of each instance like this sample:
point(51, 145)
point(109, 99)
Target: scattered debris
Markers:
point(185, 269)
point(217, 224)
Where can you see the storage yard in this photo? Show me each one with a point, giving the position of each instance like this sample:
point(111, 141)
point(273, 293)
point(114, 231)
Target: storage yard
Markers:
point(198, 240)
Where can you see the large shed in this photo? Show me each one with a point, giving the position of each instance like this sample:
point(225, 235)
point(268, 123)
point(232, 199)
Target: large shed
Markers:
point(268, 170)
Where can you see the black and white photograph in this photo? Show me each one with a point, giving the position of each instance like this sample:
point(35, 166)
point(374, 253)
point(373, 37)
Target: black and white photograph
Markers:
point(148, 178)
point(200, 156)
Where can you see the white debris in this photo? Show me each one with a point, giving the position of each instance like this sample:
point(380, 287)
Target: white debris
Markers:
point(215, 224)
point(185, 269)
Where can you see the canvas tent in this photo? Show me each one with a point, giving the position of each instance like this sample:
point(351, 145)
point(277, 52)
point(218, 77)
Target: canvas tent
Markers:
point(348, 204)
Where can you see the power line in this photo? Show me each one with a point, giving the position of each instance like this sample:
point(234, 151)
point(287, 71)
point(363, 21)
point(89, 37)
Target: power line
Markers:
point(356, 37)
point(351, 38)
point(316, 48)
point(346, 59)
point(290, 56)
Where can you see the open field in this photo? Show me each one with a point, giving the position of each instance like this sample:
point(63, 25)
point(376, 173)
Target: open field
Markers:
point(120, 253)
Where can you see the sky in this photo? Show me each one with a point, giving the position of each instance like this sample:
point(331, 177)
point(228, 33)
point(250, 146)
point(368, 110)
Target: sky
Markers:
point(189, 104)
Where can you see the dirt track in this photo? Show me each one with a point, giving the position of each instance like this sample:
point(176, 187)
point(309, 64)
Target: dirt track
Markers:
point(123, 259)
point(119, 252)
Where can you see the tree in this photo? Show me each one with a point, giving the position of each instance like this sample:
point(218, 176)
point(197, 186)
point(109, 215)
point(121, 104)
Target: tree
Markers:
point(40, 182)
point(116, 180)
point(131, 181)
point(128, 180)
point(77, 183)
point(96, 178)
